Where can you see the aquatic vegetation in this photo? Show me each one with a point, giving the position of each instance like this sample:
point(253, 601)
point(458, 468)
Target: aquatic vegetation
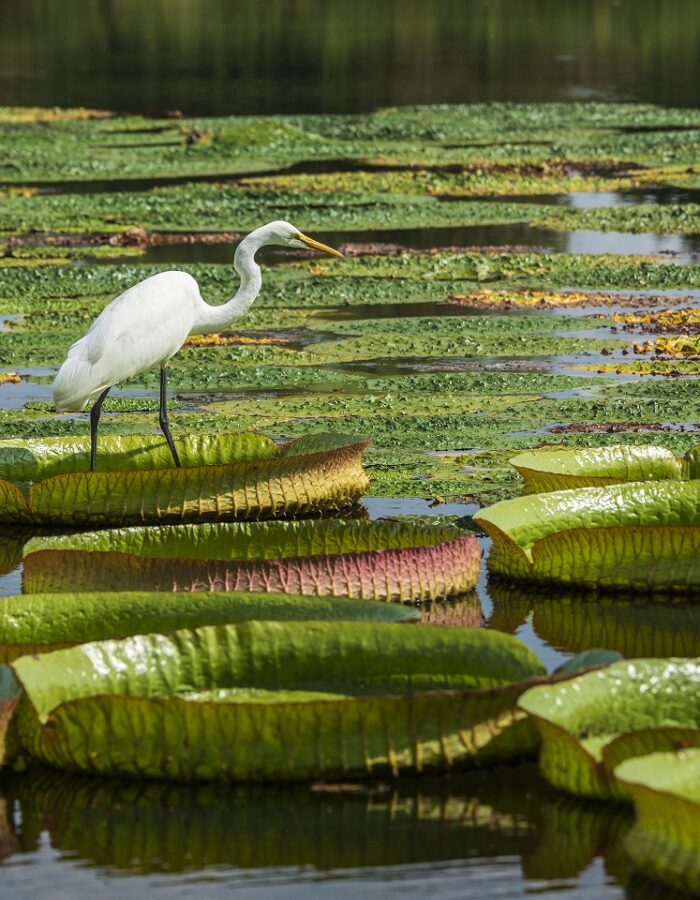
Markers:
point(592, 723)
point(575, 141)
point(373, 561)
point(36, 623)
point(223, 477)
point(664, 840)
point(556, 470)
point(369, 698)
point(639, 535)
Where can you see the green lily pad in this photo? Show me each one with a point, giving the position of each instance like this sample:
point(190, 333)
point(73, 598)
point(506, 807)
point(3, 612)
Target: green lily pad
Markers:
point(367, 560)
point(556, 470)
point(664, 841)
point(39, 622)
point(278, 701)
point(637, 535)
point(593, 722)
point(235, 476)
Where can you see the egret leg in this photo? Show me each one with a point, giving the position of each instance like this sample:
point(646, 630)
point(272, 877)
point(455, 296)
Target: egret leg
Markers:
point(164, 424)
point(94, 420)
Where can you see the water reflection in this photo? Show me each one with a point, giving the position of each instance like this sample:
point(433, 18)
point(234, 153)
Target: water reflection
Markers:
point(681, 248)
point(571, 621)
point(505, 819)
point(215, 57)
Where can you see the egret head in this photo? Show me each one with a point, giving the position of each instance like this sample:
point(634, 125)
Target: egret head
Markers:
point(284, 234)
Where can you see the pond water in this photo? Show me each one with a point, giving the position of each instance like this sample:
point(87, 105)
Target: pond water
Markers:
point(209, 57)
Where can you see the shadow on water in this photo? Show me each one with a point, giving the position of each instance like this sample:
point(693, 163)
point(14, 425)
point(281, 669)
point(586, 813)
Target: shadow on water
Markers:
point(442, 834)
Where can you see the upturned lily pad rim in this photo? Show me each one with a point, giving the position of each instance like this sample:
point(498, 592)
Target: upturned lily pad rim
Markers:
point(591, 463)
point(525, 521)
point(217, 540)
point(308, 444)
point(256, 647)
point(576, 722)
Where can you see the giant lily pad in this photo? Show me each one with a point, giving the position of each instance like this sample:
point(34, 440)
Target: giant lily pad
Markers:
point(592, 723)
point(367, 560)
point(230, 476)
point(40, 622)
point(556, 470)
point(278, 701)
point(624, 536)
point(665, 839)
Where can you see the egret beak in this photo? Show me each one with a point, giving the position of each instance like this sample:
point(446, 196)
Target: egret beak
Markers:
point(317, 245)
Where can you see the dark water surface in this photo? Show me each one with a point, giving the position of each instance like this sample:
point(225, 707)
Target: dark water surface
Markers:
point(209, 57)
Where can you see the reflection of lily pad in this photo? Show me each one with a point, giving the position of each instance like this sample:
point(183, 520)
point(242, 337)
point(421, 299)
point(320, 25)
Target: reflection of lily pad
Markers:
point(368, 560)
point(573, 621)
point(665, 839)
point(40, 622)
point(556, 470)
point(573, 833)
point(236, 476)
point(625, 536)
point(280, 701)
point(591, 723)
point(149, 826)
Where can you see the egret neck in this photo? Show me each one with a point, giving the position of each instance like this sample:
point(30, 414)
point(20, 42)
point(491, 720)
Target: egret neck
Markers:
point(213, 318)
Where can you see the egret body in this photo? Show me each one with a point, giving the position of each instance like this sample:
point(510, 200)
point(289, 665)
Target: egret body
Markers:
point(146, 325)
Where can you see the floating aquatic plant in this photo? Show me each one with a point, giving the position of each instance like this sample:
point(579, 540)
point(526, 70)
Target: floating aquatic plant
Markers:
point(245, 476)
point(593, 722)
point(368, 560)
point(36, 623)
point(635, 536)
point(272, 701)
point(559, 469)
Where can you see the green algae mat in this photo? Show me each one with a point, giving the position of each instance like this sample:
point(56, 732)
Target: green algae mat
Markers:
point(246, 476)
point(366, 560)
point(277, 701)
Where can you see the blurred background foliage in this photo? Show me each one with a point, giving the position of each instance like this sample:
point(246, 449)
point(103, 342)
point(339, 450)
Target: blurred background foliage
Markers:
point(213, 57)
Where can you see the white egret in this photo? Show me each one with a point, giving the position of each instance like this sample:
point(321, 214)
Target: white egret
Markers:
point(147, 324)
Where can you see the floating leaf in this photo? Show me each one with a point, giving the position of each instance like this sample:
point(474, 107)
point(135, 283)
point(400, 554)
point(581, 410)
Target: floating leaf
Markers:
point(235, 476)
point(368, 560)
point(37, 622)
point(664, 841)
point(591, 723)
point(278, 701)
point(556, 470)
point(624, 536)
